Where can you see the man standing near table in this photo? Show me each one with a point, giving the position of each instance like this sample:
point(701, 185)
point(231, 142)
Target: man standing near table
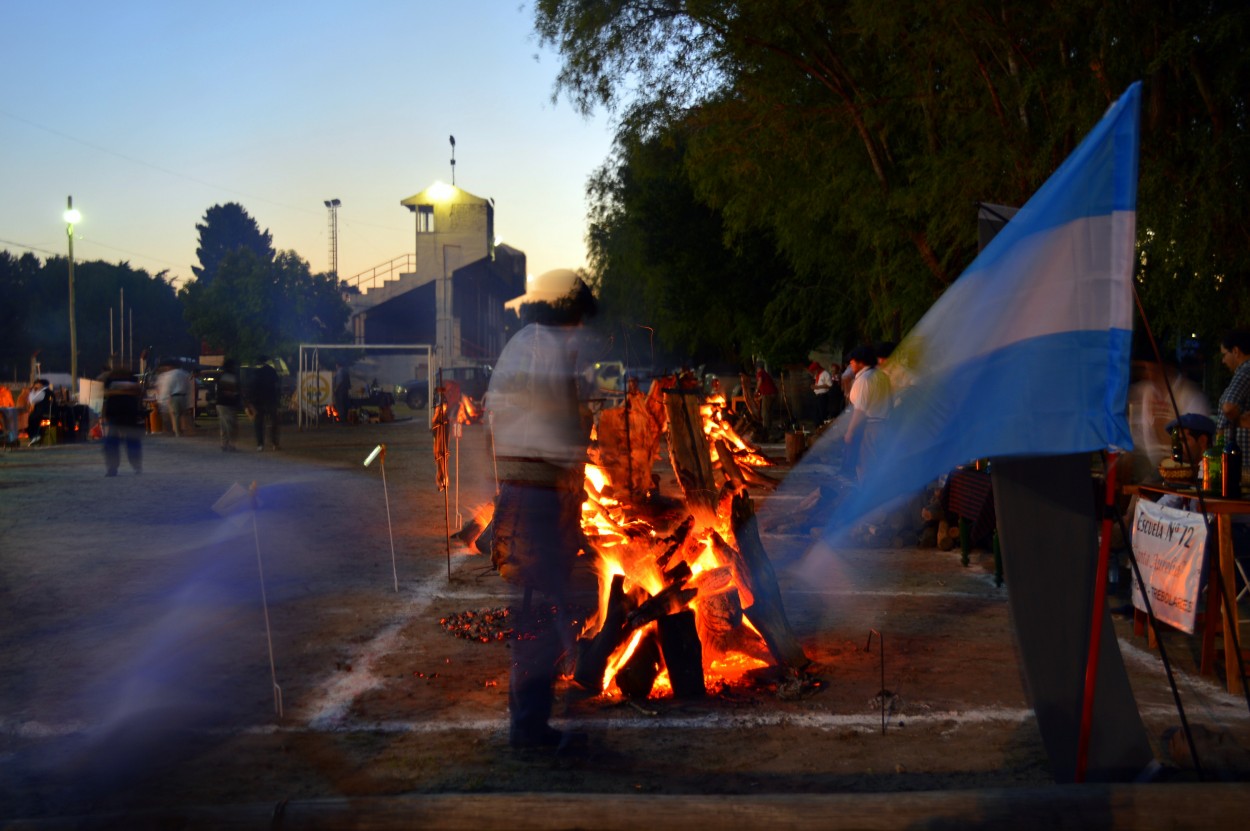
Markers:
point(1235, 402)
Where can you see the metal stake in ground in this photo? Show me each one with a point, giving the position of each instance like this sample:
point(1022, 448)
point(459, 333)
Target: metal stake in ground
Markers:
point(884, 694)
point(231, 501)
point(379, 453)
point(456, 430)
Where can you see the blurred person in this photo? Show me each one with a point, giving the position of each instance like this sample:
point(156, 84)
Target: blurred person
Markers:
point(121, 417)
point(228, 400)
point(871, 401)
point(1151, 413)
point(342, 390)
point(847, 378)
point(263, 395)
point(894, 369)
point(541, 433)
point(1235, 400)
point(766, 396)
point(8, 416)
point(822, 385)
point(173, 388)
point(1197, 433)
point(39, 400)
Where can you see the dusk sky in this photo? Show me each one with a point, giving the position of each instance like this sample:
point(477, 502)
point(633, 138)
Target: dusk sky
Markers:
point(148, 113)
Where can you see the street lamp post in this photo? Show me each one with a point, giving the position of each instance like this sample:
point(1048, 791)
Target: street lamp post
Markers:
point(71, 216)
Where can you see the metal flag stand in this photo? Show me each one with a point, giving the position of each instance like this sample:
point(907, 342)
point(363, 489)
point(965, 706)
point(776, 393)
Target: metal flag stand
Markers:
point(379, 453)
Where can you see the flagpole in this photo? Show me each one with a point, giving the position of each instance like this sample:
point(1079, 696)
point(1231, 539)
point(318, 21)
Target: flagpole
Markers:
point(1099, 610)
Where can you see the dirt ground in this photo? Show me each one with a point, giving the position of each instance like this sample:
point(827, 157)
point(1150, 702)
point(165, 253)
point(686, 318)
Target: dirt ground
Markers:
point(144, 656)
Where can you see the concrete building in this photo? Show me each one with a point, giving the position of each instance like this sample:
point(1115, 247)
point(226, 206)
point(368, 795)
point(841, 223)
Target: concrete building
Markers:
point(454, 295)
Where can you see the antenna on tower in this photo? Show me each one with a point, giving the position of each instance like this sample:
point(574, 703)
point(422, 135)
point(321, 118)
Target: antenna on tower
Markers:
point(333, 206)
point(453, 160)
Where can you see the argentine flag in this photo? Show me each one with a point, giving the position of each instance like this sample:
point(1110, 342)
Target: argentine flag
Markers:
point(1027, 353)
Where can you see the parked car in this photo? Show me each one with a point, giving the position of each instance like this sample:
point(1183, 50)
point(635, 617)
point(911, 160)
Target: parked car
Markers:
point(473, 381)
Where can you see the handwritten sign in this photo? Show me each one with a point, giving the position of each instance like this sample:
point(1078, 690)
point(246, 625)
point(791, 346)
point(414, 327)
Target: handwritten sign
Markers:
point(1169, 545)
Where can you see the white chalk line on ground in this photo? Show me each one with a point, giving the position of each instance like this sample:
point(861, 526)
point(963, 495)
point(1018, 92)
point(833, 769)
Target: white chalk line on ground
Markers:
point(332, 700)
point(866, 722)
point(869, 722)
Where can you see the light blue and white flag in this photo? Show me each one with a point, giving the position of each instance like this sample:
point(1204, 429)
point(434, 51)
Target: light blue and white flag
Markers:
point(1027, 353)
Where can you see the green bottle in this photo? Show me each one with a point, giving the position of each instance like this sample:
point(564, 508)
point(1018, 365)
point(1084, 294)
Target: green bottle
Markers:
point(1211, 479)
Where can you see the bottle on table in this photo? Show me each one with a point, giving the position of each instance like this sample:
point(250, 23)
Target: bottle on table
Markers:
point(1178, 446)
point(1212, 481)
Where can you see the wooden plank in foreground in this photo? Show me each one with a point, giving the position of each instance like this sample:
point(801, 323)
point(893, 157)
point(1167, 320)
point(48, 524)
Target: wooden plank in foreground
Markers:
point(1137, 807)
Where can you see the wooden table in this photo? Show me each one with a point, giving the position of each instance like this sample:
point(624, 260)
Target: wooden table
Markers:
point(1223, 510)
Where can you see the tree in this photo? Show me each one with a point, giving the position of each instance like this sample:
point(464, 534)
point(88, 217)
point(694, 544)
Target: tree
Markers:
point(860, 134)
point(661, 260)
point(227, 228)
point(35, 314)
point(257, 306)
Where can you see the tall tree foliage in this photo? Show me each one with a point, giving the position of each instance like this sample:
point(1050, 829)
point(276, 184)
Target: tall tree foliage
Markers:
point(861, 134)
point(35, 314)
point(227, 228)
point(661, 260)
point(257, 306)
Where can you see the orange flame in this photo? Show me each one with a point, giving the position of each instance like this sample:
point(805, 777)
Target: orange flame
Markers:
point(469, 412)
point(629, 546)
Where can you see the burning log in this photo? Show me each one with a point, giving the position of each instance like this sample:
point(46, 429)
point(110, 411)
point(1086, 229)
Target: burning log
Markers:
point(676, 541)
point(719, 616)
point(754, 477)
point(593, 654)
point(683, 654)
point(740, 474)
point(766, 611)
point(713, 581)
point(728, 465)
point(678, 574)
point(486, 539)
point(689, 454)
point(733, 556)
point(473, 530)
point(667, 601)
point(637, 676)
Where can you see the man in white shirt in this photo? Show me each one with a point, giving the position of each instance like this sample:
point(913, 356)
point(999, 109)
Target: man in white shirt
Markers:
point(173, 388)
point(821, 386)
point(871, 400)
point(541, 433)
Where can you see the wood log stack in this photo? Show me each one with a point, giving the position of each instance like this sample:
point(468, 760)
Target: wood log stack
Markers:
point(662, 628)
point(673, 643)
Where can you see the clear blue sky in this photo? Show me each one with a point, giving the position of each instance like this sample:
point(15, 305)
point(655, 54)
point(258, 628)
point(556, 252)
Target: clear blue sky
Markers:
point(148, 113)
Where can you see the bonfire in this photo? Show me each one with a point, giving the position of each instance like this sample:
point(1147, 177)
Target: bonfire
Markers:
point(687, 597)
